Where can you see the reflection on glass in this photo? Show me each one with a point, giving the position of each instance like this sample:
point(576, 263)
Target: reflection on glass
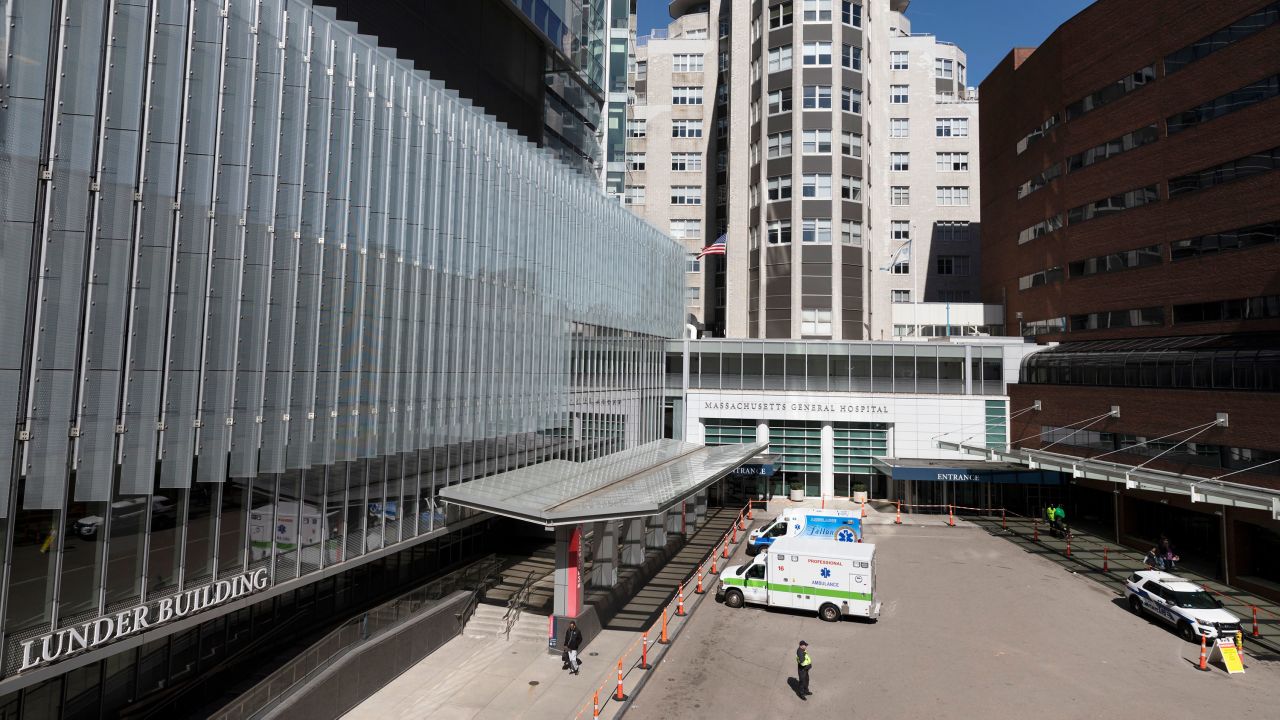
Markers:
point(32, 576)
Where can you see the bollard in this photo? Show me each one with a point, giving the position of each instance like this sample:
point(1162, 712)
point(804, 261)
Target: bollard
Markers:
point(663, 638)
point(644, 651)
point(1068, 544)
point(951, 515)
point(1204, 660)
point(1105, 566)
point(680, 600)
point(1035, 529)
point(1003, 524)
point(699, 589)
point(620, 695)
point(1255, 621)
point(595, 700)
point(898, 520)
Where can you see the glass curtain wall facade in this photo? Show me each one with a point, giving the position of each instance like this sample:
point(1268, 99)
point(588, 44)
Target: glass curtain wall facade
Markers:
point(267, 290)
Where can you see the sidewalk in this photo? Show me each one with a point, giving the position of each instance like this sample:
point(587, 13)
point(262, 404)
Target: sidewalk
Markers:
point(471, 678)
point(1087, 559)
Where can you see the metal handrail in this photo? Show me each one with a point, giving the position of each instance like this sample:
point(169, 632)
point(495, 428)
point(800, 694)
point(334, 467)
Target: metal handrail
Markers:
point(515, 605)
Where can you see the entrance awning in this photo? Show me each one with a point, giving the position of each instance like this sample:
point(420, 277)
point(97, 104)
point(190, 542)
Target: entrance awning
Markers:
point(645, 480)
point(964, 471)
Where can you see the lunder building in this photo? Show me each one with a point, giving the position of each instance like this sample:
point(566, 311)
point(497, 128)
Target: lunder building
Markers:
point(269, 292)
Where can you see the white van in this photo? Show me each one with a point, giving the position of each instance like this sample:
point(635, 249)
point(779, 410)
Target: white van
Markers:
point(793, 522)
point(835, 578)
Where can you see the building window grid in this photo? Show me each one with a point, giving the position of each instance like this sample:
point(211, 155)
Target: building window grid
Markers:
point(1109, 94)
point(817, 53)
point(952, 195)
point(778, 188)
point(850, 57)
point(952, 162)
point(851, 13)
point(817, 11)
point(780, 101)
point(851, 233)
point(1111, 148)
point(952, 127)
point(899, 60)
point(850, 144)
point(779, 232)
point(899, 94)
point(687, 62)
point(851, 188)
point(816, 186)
point(899, 127)
point(779, 144)
point(816, 230)
point(686, 95)
point(900, 195)
point(686, 128)
point(779, 58)
point(816, 142)
point(817, 97)
point(1115, 203)
point(686, 162)
point(1246, 26)
point(899, 161)
point(780, 15)
point(686, 195)
point(955, 265)
point(851, 100)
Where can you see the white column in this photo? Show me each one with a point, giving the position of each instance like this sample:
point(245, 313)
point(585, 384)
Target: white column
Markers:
point(700, 505)
point(675, 519)
point(633, 542)
point(762, 433)
point(690, 515)
point(655, 535)
point(604, 572)
point(827, 461)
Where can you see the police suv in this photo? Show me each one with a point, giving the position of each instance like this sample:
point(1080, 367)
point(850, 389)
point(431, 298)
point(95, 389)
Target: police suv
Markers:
point(1187, 606)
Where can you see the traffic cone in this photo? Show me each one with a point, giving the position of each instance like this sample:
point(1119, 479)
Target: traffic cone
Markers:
point(724, 549)
point(596, 701)
point(864, 509)
point(1035, 528)
point(713, 562)
point(663, 637)
point(1106, 567)
point(742, 522)
point(749, 516)
point(1068, 544)
point(898, 519)
point(951, 516)
point(699, 589)
point(735, 534)
point(1255, 621)
point(680, 600)
point(1204, 659)
point(621, 695)
point(644, 651)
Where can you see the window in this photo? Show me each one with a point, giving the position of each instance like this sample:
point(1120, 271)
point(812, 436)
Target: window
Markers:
point(952, 162)
point(1258, 20)
point(1109, 94)
point(779, 188)
point(779, 232)
point(816, 230)
point(902, 261)
point(686, 229)
point(753, 154)
point(953, 127)
point(722, 94)
point(851, 13)
point(686, 95)
point(1044, 327)
point(780, 101)
point(635, 128)
point(1238, 169)
point(817, 186)
point(1038, 133)
point(780, 58)
point(1114, 262)
point(1040, 180)
point(686, 62)
point(692, 263)
point(851, 100)
point(755, 70)
point(899, 195)
point(851, 233)
point(899, 59)
point(642, 69)
point(692, 294)
point(817, 142)
point(898, 94)
point(1040, 279)
point(1111, 148)
point(1113, 204)
point(817, 10)
point(635, 195)
point(695, 34)
point(1040, 229)
point(953, 195)
point(953, 296)
point(952, 265)
point(850, 57)
point(815, 322)
point(780, 144)
point(686, 195)
point(817, 97)
point(817, 54)
point(850, 188)
point(686, 161)
point(635, 161)
point(951, 230)
point(850, 144)
point(1225, 241)
point(1251, 308)
point(944, 68)
point(899, 161)
point(899, 127)
point(1118, 319)
point(900, 296)
point(780, 15)
point(900, 229)
point(686, 128)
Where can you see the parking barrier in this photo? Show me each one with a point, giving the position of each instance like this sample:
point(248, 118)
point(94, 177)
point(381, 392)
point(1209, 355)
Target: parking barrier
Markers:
point(644, 650)
point(898, 519)
point(1204, 664)
point(680, 601)
point(699, 588)
point(621, 695)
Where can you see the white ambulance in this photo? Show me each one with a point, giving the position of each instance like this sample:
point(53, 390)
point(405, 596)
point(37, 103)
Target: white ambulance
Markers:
point(793, 522)
point(833, 576)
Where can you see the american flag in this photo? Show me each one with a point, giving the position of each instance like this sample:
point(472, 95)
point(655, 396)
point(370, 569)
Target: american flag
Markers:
point(715, 248)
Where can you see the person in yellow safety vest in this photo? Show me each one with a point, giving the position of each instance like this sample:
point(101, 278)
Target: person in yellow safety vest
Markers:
point(803, 663)
point(1048, 513)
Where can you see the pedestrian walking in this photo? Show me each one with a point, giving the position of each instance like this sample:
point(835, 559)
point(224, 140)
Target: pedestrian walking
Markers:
point(1060, 517)
point(1048, 513)
point(1165, 552)
point(573, 641)
point(803, 663)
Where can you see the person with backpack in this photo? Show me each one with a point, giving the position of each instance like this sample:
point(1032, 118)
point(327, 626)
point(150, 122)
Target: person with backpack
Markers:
point(573, 641)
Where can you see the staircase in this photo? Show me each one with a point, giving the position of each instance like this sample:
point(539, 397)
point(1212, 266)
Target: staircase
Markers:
point(489, 621)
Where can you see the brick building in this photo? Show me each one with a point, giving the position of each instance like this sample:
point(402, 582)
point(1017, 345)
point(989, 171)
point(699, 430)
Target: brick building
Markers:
point(1131, 213)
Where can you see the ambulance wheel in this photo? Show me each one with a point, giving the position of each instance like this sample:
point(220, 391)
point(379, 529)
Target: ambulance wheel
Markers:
point(733, 598)
point(1135, 604)
point(829, 612)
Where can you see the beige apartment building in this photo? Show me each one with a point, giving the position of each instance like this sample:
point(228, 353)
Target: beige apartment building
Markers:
point(769, 123)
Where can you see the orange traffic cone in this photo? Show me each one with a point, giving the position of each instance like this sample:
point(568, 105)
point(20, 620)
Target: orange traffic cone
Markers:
point(749, 516)
point(680, 600)
point(713, 562)
point(1204, 659)
point(898, 520)
point(742, 522)
point(699, 590)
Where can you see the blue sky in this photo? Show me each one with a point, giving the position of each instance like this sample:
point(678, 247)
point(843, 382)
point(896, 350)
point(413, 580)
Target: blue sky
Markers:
point(985, 29)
